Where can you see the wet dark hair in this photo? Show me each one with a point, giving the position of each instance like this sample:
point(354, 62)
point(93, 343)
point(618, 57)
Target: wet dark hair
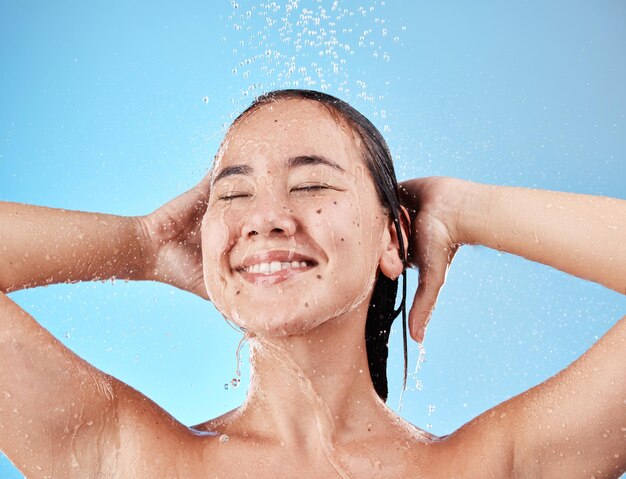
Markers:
point(377, 159)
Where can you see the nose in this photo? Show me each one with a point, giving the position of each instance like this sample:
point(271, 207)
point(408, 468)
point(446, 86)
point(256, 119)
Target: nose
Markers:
point(269, 217)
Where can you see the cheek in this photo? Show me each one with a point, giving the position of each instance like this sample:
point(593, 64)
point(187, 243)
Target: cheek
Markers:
point(216, 237)
point(353, 242)
point(354, 230)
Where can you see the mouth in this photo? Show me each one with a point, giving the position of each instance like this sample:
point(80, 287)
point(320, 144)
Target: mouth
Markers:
point(274, 267)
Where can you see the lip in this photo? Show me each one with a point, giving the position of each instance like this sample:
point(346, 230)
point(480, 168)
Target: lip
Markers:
point(269, 279)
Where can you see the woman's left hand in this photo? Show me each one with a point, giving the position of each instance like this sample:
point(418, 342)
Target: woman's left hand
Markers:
point(174, 242)
point(433, 240)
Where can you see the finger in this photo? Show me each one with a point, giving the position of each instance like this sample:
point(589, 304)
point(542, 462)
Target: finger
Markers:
point(431, 280)
point(201, 291)
point(202, 191)
point(408, 197)
point(191, 205)
point(204, 187)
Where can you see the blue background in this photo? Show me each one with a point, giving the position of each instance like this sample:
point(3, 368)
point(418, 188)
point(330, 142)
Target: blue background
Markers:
point(113, 107)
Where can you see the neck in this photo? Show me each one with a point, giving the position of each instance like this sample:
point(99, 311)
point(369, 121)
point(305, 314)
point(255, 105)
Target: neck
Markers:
point(318, 381)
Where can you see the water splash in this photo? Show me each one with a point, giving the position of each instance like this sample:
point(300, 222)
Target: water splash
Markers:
point(234, 382)
point(324, 418)
point(294, 44)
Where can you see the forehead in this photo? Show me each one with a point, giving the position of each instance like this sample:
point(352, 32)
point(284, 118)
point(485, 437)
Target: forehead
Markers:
point(286, 128)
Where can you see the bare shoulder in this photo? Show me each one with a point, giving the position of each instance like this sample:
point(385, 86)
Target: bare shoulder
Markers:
point(144, 427)
point(217, 424)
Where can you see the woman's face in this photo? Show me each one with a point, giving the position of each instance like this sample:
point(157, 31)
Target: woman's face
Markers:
point(294, 233)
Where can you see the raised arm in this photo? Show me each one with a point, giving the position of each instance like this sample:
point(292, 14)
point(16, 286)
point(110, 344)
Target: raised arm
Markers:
point(42, 246)
point(57, 412)
point(572, 425)
point(582, 235)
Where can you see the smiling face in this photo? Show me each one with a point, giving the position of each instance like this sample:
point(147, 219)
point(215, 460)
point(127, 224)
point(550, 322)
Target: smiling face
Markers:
point(294, 232)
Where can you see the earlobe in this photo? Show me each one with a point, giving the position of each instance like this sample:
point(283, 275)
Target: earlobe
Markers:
point(390, 264)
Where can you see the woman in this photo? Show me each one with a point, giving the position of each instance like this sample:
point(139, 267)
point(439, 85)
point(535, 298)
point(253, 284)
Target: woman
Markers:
point(297, 236)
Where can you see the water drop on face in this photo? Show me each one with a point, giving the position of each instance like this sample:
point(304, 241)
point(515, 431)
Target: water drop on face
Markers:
point(224, 438)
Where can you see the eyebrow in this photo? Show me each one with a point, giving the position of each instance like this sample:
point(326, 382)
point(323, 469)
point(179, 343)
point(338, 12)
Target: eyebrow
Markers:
point(307, 160)
point(233, 170)
point(293, 162)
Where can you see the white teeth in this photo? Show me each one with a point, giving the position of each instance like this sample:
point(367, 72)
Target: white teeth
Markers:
point(269, 268)
point(274, 266)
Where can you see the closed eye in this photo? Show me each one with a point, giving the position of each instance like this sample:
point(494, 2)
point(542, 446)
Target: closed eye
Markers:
point(316, 187)
point(232, 196)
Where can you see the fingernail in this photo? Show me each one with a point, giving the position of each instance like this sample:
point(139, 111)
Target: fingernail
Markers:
point(420, 334)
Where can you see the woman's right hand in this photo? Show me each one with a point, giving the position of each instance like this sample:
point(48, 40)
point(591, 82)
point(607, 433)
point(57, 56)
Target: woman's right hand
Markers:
point(434, 240)
point(174, 242)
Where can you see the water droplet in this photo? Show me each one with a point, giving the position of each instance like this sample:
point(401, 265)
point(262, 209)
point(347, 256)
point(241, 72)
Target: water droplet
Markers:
point(431, 409)
point(224, 438)
point(234, 382)
point(226, 386)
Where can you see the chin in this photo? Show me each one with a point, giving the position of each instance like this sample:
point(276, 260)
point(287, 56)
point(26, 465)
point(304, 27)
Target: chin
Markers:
point(273, 324)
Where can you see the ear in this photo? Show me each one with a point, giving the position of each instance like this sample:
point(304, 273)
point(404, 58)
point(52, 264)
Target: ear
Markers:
point(391, 264)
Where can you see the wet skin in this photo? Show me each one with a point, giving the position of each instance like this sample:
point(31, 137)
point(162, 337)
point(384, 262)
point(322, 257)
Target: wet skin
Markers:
point(292, 240)
point(296, 192)
point(289, 185)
